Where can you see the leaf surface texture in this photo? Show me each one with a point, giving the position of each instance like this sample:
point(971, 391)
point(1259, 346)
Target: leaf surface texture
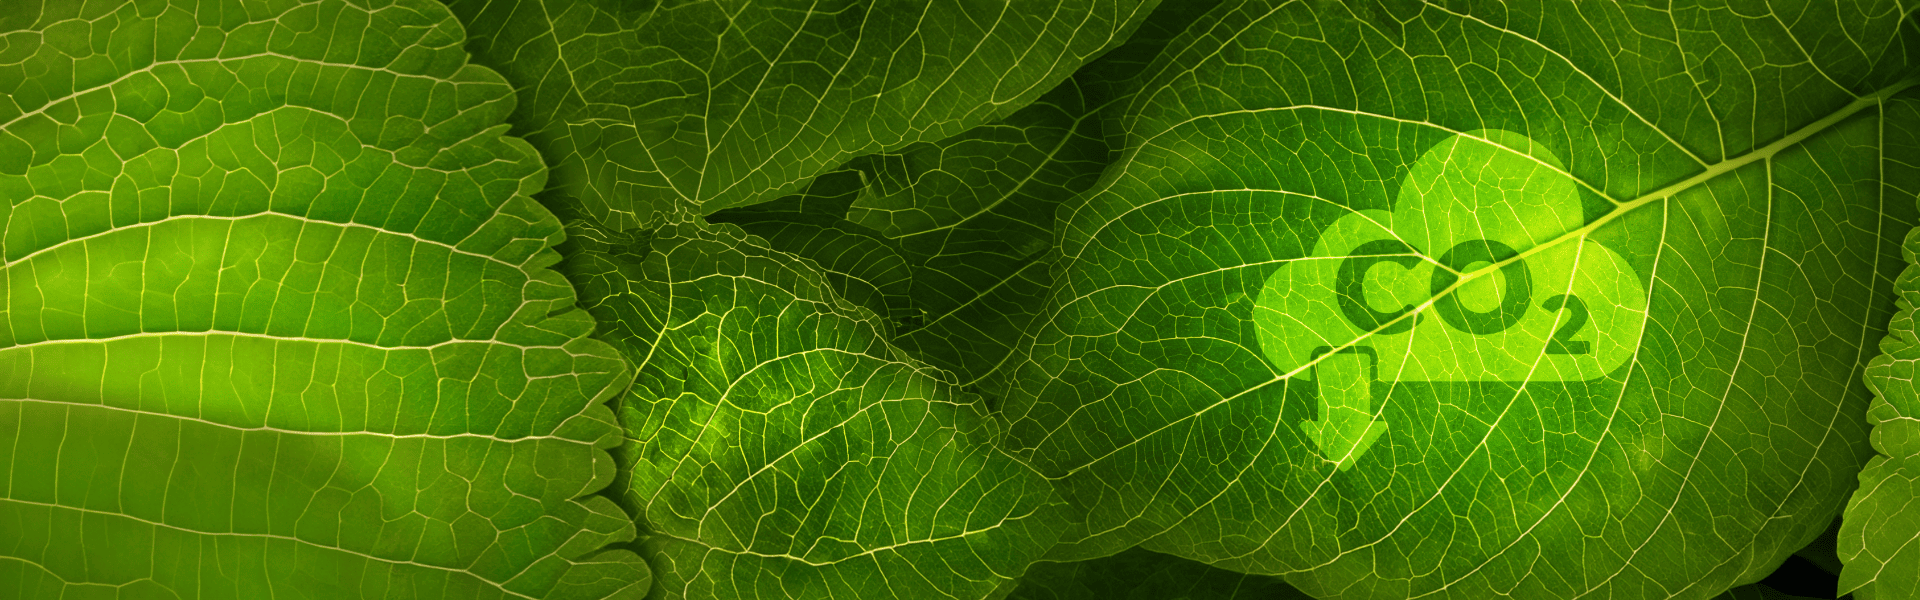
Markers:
point(277, 317)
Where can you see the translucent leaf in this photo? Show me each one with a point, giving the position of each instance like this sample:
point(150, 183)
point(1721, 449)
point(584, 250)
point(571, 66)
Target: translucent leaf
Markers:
point(1477, 300)
point(277, 315)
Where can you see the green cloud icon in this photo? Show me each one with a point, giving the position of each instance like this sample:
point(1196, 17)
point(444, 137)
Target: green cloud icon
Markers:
point(1483, 271)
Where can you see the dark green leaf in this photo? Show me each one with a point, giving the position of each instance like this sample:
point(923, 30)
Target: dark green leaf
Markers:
point(862, 266)
point(651, 109)
point(971, 217)
point(1141, 575)
point(1758, 592)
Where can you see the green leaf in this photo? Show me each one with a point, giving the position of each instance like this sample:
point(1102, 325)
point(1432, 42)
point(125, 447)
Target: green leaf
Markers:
point(1141, 575)
point(974, 214)
point(1632, 257)
point(657, 109)
point(1879, 541)
point(946, 239)
point(862, 266)
point(780, 448)
point(277, 317)
point(949, 240)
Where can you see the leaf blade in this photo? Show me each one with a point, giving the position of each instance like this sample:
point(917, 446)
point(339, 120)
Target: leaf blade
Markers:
point(307, 327)
point(1243, 144)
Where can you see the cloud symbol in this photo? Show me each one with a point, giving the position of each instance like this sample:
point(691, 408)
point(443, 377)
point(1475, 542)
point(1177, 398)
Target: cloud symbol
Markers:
point(1483, 271)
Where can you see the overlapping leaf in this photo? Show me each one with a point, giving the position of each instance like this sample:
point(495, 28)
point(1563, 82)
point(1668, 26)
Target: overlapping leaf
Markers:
point(648, 110)
point(861, 265)
point(1879, 541)
point(780, 448)
point(277, 318)
point(1731, 156)
point(946, 239)
point(951, 240)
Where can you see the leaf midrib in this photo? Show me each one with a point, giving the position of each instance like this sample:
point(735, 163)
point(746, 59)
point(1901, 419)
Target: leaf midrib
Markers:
point(1710, 173)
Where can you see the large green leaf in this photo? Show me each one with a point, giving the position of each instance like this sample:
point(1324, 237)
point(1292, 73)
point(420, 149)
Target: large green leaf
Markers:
point(277, 318)
point(1879, 540)
point(652, 109)
point(1216, 377)
point(781, 448)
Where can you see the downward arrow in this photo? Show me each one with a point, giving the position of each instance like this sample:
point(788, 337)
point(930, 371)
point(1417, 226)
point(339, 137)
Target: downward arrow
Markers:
point(1346, 428)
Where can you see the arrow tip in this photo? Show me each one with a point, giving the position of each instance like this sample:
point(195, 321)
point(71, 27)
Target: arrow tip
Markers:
point(1343, 451)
